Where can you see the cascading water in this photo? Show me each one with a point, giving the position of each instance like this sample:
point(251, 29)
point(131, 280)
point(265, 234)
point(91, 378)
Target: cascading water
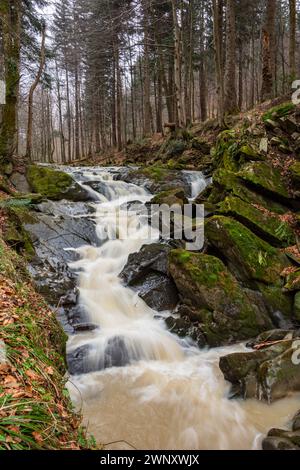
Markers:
point(168, 394)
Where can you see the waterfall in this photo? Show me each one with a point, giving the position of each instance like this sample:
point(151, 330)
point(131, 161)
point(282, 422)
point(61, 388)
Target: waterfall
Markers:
point(168, 394)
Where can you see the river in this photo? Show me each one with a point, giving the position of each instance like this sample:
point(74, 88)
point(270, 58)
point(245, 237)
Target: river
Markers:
point(170, 395)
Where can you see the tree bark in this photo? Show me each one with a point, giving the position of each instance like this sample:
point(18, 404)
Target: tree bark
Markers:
point(10, 11)
point(268, 51)
point(230, 95)
point(31, 94)
point(292, 49)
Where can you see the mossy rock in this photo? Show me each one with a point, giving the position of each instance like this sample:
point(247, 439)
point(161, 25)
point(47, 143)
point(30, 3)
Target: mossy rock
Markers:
point(264, 177)
point(248, 256)
point(266, 225)
point(269, 374)
point(225, 311)
point(295, 173)
point(55, 185)
point(226, 182)
point(176, 148)
point(171, 197)
point(277, 300)
point(14, 233)
point(279, 111)
point(293, 281)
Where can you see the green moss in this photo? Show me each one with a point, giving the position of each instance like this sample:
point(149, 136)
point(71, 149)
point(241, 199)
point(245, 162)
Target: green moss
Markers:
point(47, 182)
point(295, 171)
point(176, 148)
point(293, 281)
point(279, 111)
point(277, 300)
point(265, 177)
point(170, 197)
point(222, 307)
point(155, 172)
point(226, 182)
point(266, 225)
point(249, 257)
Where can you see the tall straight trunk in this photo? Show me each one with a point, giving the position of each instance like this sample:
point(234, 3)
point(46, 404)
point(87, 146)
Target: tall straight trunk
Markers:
point(61, 129)
point(241, 77)
point(68, 115)
point(113, 105)
point(292, 47)
point(31, 95)
point(77, 114)
point(146, 61)
point(230, 95)
point(218, 57)
point(119, 102)
point(188, 61)
point(202, 75)
point(180, 120)
point(159, 119)
point(10, 17)
point(268, 51)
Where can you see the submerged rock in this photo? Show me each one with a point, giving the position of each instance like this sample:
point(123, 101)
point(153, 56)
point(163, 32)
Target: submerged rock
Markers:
point(211, 295)
point(87, 358)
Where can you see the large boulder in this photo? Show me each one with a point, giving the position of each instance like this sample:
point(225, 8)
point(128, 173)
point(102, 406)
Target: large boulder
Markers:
point(171, 197)
point(270, 372)
point(211, 296)
point(228, 183)
point(266, 178)
point(268, 226)
point(158, 179)
point(248, 256)
point(55, 184)
point(147, 273)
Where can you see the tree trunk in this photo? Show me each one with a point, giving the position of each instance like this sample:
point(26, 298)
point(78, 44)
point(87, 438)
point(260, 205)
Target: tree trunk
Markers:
point(10, 18)
point(31, 94)
point(268, 51)
point(180, 121)
point(218, 58)
point(230, 98)
point(292, 50)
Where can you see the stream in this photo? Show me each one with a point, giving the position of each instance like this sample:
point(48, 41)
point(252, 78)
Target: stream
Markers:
point(166, 392)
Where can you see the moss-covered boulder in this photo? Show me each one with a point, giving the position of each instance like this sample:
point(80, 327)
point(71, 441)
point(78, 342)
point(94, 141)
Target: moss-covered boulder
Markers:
point(226, 183)
point(211, 295)
point(268, 226)
point(248, 256)
point(264, 177)
point(54, 184)
point(295, 173)
point(159, 178)
point(267, 374)
point(278, 301)
point(171, 197)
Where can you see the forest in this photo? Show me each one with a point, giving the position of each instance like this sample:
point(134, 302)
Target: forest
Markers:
point(149, 228)
point(89, 75)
